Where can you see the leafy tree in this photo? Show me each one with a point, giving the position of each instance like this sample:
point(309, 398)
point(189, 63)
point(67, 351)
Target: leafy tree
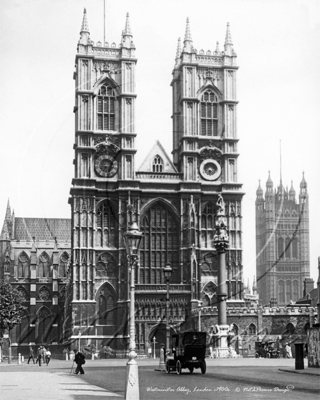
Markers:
point(11, 309)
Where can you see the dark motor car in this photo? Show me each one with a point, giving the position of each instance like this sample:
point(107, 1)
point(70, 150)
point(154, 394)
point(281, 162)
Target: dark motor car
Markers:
point(266, 350)
point(189, 351)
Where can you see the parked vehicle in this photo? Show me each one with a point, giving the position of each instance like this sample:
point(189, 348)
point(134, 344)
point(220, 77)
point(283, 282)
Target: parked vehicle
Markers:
point(189, 351)
point(266, 350)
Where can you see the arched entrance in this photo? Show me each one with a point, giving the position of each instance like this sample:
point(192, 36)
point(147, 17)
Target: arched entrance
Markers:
point(159, 333)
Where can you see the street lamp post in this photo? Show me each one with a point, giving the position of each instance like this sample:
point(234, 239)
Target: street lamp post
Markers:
point(132, 239)
point(199, 315)
point(167, 273)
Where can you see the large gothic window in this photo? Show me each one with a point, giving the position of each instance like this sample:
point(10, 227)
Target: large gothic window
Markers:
point(288, 291)
point(160, 244)
point(280, 247)
point(106, 108)
point(209, 114)
point(106, 307)
point(295, 291)
point(207, 225)
point(106, 225)
point(281, 292)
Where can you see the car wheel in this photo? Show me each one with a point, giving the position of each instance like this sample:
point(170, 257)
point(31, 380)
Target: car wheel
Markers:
point(178, 367)
point(257, 355)
point(203, 367)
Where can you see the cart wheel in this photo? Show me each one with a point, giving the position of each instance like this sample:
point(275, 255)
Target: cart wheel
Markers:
point(191, 370)
point(167, 368)
point(203, 367)
point(268, 355)
point(178, 367)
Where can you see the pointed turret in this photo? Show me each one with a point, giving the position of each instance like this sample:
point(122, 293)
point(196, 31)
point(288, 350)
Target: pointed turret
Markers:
point(292, 192)
point(259, 191)
point(228, 48)
point(7, 224)
point(126, 40)
point(8, 212)
point(217, 51)
point(187, 43)
point(84, 32)
point(178, 53)
point(303, 184)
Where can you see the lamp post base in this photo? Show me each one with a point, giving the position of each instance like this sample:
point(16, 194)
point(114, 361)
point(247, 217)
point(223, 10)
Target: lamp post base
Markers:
point(132, 381)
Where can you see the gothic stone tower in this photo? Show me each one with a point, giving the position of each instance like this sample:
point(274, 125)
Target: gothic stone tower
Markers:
point(173, 202)
point(104, 166)
point(205, 153)
point(282, 243)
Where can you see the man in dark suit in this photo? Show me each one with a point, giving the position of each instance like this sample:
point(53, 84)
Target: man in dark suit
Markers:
point(31, 354)
point(79, 360)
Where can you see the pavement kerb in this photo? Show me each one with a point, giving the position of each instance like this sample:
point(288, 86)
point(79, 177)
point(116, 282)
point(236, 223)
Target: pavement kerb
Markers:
point(309, 372)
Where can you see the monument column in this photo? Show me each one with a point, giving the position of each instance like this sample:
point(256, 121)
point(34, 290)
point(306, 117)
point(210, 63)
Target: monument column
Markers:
point(221, 242)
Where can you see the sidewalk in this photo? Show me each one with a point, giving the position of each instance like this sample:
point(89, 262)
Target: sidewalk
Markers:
point(56, 382)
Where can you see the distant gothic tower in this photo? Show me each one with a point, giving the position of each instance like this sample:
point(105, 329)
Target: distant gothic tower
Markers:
point(173, 202)
point(282, 242)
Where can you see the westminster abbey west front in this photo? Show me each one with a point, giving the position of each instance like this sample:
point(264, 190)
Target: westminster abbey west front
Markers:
point(173, 201)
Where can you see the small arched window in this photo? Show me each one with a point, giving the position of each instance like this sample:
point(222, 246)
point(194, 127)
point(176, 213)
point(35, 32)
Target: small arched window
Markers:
point(106, 108)
point(157, 165)
point(209, 114)
point(252, 329)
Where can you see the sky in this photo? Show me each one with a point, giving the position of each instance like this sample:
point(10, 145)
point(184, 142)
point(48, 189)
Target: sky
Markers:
point(278, 48)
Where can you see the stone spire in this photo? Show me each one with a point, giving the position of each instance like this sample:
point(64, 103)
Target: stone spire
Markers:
point(127, 29)
point(228, 41)
point(8, 212)
point(126, 40)
point(178, 52)
point(84, 32)
point(187, 43)
point(217, 48)
point(254, 286)
point(84, 26)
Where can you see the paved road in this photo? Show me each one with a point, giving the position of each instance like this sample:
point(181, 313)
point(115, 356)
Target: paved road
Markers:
point(105, 379)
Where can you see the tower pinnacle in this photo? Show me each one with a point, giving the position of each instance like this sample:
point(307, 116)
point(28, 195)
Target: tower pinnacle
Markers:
point(187, 43)
point(84, 32)
point(127, 29)
point(178, 52)
point(228, 41)
point(84, 26)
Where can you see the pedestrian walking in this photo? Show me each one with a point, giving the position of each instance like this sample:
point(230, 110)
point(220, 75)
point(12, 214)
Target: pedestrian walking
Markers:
point(39, 356)
point(43, 354)
point(31, 354)
point(80, 361)
point(288, 351)
point(149, 351)
point(48, 356)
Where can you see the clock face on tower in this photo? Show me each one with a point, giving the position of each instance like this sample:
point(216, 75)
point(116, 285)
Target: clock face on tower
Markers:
point(106, 165)
point(210, 170)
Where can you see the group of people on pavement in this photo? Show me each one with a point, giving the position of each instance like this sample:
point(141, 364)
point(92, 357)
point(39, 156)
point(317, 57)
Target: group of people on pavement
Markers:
point(43, 355)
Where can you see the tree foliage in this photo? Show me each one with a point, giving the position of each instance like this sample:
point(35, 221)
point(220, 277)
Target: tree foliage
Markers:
point(11, 308)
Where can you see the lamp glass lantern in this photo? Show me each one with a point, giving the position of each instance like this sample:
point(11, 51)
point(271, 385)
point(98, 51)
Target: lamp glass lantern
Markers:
point(132, 239)
point(167, 271)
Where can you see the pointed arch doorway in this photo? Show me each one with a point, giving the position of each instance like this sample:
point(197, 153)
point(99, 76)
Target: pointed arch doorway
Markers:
point(159, 333)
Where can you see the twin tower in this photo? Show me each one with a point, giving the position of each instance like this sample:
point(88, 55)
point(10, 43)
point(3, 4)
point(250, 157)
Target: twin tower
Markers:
point(172, 200)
